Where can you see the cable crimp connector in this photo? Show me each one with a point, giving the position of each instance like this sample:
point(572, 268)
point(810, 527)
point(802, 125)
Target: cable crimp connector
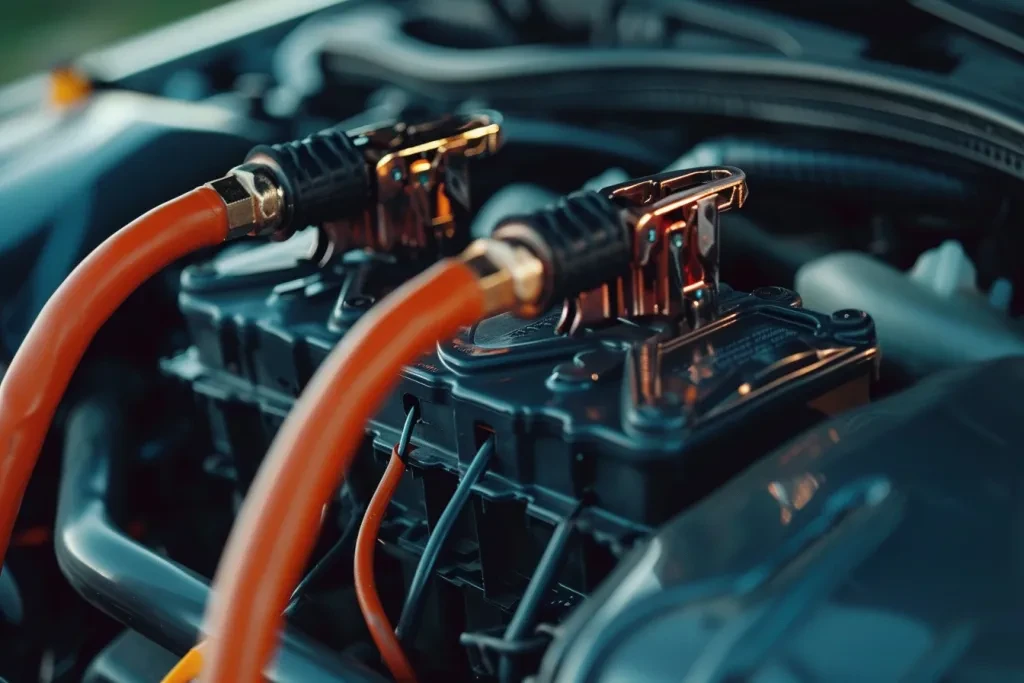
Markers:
point(385, 187)
point(510, 276)
point(641, 248)
point(254, 200)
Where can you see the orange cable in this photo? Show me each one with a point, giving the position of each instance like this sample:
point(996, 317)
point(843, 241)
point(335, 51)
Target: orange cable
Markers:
point(276, 529)
point(188, 668)
point(377, 621)
point(42, 367)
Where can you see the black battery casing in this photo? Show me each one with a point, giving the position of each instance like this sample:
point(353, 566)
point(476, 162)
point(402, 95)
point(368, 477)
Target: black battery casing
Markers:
point(640, 418)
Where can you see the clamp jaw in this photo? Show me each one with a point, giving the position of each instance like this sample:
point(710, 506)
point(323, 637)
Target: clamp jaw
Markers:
point(419, 177)
point(672, 222)
point(387, 188)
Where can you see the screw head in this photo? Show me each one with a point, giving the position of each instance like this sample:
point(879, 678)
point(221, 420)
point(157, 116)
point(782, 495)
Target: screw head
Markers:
point(850, 316)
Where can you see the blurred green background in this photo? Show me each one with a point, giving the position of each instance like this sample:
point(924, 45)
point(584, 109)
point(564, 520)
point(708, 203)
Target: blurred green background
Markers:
point(36, 34)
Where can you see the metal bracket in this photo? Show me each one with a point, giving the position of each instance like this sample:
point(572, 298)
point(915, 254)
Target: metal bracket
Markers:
point(421, 176)
point(673, 217)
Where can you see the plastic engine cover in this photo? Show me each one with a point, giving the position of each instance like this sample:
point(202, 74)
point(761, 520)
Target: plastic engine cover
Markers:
point(882, 545)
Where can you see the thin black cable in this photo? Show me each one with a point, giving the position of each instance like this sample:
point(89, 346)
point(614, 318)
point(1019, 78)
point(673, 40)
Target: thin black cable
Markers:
point(336, 552)
point(339, 550)
point(543, 577)
point(425, 569)
point(403, 441)
point(502, 646)
point(488, 645)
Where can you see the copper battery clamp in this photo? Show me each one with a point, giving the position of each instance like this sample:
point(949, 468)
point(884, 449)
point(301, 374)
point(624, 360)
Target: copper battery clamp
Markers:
point(420, 173)
point(674, 222)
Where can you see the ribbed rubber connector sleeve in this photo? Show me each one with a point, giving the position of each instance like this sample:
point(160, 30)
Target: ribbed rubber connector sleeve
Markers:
point(583, 238)
point(325, 177)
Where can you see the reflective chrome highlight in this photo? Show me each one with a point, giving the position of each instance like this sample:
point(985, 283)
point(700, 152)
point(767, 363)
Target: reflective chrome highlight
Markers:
point(422, 180)
point(674, 218)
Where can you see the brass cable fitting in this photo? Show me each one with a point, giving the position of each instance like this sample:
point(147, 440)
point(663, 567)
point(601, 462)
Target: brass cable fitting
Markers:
point(255, 202)
point(511, 276)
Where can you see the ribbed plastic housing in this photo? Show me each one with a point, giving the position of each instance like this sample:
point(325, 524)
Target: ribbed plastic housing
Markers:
point(325, 176)
point(583, 235)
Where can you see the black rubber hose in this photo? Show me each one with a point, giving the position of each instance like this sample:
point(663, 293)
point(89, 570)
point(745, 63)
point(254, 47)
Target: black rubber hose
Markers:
point(540, 583)
point(857, 96)
point(770, 164)
point(616, 146)
point(413, 606)
point(128, 581)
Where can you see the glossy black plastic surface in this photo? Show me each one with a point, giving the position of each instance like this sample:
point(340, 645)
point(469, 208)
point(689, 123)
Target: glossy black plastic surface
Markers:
point(642, 415)
point(883, 545)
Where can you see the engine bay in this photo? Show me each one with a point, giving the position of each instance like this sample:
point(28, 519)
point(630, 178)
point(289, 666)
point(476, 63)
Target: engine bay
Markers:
point(741, 402)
